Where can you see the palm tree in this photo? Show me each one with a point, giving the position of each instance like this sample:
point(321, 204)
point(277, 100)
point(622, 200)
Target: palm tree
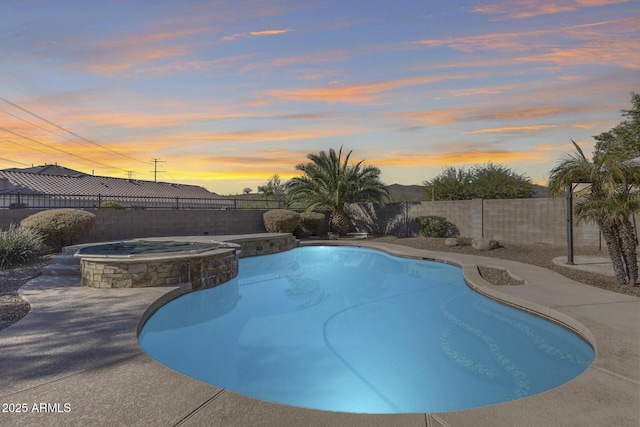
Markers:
point(609, 203)
point(611, 213)
point(331, 184)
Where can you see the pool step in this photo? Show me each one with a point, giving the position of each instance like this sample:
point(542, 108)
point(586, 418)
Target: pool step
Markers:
point(62, 265)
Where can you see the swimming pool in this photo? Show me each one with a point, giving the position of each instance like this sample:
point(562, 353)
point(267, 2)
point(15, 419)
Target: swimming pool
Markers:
point(358, 330)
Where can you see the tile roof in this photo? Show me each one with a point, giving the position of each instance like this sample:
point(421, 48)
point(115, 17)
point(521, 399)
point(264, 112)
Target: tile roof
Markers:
point(48, 170)
point(12, 182)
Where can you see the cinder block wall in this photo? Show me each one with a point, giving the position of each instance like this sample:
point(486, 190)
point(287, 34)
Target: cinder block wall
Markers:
point(126, 224)
point(114, 224)
point(530, 221)
point(458, 212)
point(538, 220)
point(534, 221)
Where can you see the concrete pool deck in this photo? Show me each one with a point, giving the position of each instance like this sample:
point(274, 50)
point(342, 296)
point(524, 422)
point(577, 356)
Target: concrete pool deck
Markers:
point(77, 353)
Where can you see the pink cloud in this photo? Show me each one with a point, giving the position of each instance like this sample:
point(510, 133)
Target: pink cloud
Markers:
point(519, 9)
point(255, 34)
point(356, 93)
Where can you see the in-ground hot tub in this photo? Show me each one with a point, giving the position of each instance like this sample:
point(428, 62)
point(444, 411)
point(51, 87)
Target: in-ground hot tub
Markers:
point(144, 263)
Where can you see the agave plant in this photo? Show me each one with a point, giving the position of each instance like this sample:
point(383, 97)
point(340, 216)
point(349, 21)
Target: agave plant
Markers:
point(18, 245)
point(331, 184)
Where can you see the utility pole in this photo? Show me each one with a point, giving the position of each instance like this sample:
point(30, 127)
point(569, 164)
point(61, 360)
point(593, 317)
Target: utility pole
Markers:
point(155, 168)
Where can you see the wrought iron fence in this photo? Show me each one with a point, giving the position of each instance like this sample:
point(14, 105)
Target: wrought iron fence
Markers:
point(54, 201)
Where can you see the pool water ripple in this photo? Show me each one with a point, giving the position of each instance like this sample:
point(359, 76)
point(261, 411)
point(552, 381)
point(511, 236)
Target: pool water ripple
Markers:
point(498, 357)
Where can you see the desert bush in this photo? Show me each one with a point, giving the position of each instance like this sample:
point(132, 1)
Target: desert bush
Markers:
point(299, 233)
point(109, 204)
point(436, 226)
point(18, 245)
point(313, 223)
point(281, 220)
point(59, 226)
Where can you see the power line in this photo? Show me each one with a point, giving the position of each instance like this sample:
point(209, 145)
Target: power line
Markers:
point(65, 130)
point(13, 161)
point(39, 127)
point(59, 149)
point(35, 149)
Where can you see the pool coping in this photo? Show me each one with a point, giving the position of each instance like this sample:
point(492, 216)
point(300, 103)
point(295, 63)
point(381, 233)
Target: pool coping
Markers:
point(79, 346)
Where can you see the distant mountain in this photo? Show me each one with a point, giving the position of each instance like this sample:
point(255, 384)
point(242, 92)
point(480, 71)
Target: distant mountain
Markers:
point(540, 191)
point(416, 193)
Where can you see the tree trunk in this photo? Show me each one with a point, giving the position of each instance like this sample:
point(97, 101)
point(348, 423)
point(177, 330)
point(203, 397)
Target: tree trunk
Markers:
point(615, 253)
point(338, 223)
point(629, 251)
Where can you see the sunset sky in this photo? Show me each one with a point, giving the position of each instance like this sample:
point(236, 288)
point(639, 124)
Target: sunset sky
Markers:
point(227, 93)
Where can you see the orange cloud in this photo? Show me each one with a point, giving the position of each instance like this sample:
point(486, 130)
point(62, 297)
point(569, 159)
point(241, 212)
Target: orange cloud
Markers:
point(253, 167)
point(269, 136)
point(530, 128)
point(268, 33)
point(514, 41)
point(152, 38)
point(415, 160)
point(73, 154)
point(255, 34)
point(130, 120)
point(309, 58)
point(519, 9)
point(360, 93)
point(623, 52)
point(179, 67)
point(467, 114)
point(610, 42)
point(116, 61)
point(115, 56)
point(554, 147)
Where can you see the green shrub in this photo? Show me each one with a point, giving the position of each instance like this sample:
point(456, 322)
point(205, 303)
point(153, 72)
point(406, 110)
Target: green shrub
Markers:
point(436, 226)
point(59, 226)
point(110, 205)
point(18, 245)
point(299, 233)
point(281, 220)
point(313, 223)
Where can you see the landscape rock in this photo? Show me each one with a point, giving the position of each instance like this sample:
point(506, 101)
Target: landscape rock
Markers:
point(451, 241)
point(484, 244)
point(457, 241)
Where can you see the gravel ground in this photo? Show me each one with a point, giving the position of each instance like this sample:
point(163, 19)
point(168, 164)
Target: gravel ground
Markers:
point(13, 308)
point(498, 277)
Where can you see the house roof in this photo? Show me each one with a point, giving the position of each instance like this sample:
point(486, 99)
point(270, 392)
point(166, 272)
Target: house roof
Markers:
point(48, 170)
point(39, 181)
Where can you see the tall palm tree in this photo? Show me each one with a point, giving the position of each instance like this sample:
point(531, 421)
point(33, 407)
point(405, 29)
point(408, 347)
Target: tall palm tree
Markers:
point(331, 184)
point(609, 203)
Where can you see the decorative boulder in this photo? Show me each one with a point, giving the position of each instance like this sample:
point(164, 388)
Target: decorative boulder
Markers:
point(457, 241)
point(281, 221)
point(484, 244)
point(451, 241)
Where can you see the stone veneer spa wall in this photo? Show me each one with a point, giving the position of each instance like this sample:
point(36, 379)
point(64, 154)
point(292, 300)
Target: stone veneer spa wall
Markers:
point(203, 270)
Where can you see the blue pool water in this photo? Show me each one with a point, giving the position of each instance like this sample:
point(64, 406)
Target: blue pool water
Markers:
point(357, 330)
